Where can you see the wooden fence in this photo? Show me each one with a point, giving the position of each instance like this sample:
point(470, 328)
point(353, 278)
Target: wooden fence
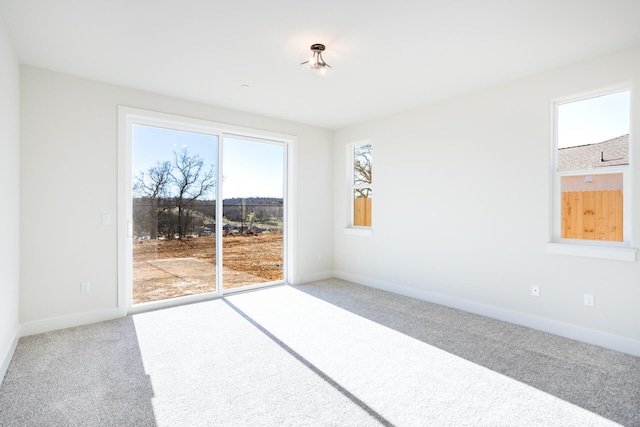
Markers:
point(362, 211)
point(592, 215)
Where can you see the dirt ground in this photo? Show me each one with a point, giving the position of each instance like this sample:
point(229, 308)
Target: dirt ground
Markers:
point(165, 269)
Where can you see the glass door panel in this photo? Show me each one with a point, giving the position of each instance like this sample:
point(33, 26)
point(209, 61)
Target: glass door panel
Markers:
point(253, 212)
point(174, 213)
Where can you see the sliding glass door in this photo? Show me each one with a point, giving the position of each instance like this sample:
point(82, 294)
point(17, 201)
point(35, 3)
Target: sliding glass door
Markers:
point(205, 211)
point(253, 212)
point(174, 174)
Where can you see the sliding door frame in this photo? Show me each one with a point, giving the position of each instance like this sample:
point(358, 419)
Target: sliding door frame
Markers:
point(286, 214)
point(127, 117)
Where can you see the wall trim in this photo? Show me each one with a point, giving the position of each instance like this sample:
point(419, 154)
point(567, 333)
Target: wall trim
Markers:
point(567, 330)
point(601, 252)
point(70, 321)
point(314, 277)
point(9, 356)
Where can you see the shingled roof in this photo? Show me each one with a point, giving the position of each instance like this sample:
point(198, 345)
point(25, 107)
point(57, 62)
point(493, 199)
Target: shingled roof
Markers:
point(613, 152)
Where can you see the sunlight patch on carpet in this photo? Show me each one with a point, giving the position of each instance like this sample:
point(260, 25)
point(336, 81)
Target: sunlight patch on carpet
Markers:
point(400, 377)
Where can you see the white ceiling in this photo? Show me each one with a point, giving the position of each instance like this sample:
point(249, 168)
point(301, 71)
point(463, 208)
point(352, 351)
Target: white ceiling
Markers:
point(387, 56)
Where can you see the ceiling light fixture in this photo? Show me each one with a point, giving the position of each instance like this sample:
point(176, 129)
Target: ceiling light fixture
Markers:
point(316, 62)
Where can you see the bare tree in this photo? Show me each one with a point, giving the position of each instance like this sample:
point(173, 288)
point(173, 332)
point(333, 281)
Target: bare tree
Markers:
point(191, 182)
point(150, 188)
point(362, 169)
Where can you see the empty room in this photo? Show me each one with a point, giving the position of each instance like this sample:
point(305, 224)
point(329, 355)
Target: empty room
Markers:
point(195, 234)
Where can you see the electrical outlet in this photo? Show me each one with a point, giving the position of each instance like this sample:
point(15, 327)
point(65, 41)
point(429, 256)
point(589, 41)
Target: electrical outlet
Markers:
point(535, 290)
point(85, 287)
point(588, 300)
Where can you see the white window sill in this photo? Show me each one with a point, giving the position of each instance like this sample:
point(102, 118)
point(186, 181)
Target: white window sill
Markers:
point(601, 252)
point(358, 231)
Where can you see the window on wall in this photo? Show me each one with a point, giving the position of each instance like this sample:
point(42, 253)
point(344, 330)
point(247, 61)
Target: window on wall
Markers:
point(592, 201)
point(361, 188)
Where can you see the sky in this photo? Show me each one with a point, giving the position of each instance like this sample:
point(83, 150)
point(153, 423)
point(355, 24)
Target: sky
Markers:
point(250, 169)
point(593, 120)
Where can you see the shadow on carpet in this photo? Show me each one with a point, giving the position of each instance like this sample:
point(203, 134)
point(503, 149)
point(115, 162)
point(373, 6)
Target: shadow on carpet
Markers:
point(600, 380)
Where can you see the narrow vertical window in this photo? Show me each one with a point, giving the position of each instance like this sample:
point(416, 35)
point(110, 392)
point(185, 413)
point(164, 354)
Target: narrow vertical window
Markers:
point(592, 168)
point(361, 184)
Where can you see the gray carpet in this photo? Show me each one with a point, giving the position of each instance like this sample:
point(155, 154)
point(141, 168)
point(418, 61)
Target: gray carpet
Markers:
point(326, 353)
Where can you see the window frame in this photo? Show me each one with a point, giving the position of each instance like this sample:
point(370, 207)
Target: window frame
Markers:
point(351, 187)
point(129, 116)
point(602, 249)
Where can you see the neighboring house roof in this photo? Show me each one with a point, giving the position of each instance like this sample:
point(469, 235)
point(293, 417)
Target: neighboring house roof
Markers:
point(613, 152)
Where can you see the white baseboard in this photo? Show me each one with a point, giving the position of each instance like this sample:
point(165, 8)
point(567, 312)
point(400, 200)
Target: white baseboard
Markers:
point(314, 277)
point(62, 322)
point(614, 342)
point(590, 336)
point(7, 357)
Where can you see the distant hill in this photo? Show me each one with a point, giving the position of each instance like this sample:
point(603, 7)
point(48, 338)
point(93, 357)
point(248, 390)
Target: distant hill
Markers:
point(264, 208)
point(162, 217)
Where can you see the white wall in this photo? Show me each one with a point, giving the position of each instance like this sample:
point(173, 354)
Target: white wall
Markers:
point(9, 192)
point(461, 209)
point(461, 202)
point(69, 178)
